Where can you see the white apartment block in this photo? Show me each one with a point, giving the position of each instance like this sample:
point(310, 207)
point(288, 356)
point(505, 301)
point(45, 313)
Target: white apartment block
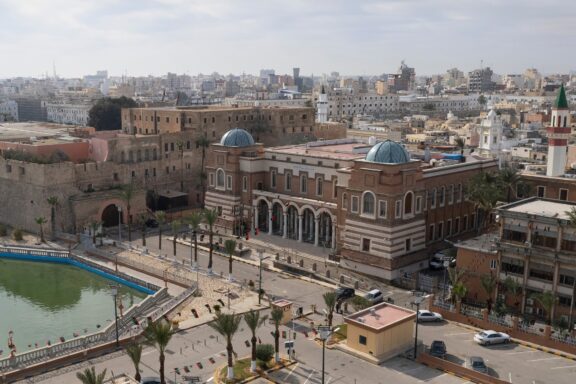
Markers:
point(76, 114)
point(345, 102)
point(8, 110)
point(458, 103)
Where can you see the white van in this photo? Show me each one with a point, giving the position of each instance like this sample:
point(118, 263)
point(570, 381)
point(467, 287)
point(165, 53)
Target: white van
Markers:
point(374, 296)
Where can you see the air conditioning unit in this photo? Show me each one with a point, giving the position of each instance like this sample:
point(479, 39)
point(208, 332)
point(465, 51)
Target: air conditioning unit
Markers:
point(501, 297)
point(529, 301)
point(529, 310)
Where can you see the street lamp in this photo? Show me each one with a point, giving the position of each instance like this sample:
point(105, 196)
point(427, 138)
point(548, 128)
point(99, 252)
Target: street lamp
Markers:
point(119, 224)
point(418, 301)
point(324, 331)
point(114, 291)
point(262, 258)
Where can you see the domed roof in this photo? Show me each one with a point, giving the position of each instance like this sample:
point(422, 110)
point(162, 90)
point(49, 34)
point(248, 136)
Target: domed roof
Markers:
point(388, 152)
point(237, 138)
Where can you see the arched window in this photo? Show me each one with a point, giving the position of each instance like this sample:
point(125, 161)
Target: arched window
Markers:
point(220, 178)
point(408, 203)
point(368, 203)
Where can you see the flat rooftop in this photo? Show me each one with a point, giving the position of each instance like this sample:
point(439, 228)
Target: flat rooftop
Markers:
point(214, 108)
point(541, 207)
point(381, 316)
point(332, 149)
point(25, 130)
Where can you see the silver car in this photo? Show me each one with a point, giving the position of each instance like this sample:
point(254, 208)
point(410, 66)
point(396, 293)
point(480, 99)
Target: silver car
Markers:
point(427, 316)
point(491, 337)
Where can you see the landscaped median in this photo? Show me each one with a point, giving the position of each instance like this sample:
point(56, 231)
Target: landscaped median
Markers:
point(242, 372)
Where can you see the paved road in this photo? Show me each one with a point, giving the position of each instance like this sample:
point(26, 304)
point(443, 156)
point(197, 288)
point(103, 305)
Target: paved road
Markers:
point(511, 362)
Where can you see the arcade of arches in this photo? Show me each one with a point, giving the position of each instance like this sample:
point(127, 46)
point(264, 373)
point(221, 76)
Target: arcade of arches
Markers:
point(305, 224)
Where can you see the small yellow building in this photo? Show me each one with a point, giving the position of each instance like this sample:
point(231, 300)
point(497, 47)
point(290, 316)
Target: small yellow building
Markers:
point(380, 332)
point(286, 307)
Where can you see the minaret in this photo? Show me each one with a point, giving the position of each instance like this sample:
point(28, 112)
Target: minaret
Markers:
point(322, 107)
point(558, 133)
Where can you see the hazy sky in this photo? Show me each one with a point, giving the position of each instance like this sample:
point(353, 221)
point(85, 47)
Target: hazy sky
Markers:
point(233, 36)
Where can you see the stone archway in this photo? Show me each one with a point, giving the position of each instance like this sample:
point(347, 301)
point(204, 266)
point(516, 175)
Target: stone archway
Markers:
point(308, 225)
point(262, 212)
point(110, 216)
point(292, 222)
point(277, 219)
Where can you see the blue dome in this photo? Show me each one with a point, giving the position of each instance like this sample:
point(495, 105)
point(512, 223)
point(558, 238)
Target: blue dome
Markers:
point(388, 152)
point(237, 138)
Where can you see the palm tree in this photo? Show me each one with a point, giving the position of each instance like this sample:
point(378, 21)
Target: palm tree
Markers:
point(484, 191)
point(94, 228)
point(227, 325)
point(509, 177)
point(159, 334)
point(41, 221)
point(142, 222)
point(254, 321)
point(210, 217)
point(460, 143)
point(127, 195)
point(134, 352)
point(176, 224)
point(456, 276)
point(89, 376)
point(277, 315)
point(489, 283)
point(459, 290)
point(194, 220)
point(203, 143)
point(230, 247)
point(161, 219)
point(53, 201)
point(513, 288)
point(547, 300)
point(330, 301)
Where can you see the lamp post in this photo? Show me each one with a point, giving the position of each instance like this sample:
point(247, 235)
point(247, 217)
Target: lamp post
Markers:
point(262, 258)
point(418, 301)
point(324, 331)
point(119, 224)
point(114, 291)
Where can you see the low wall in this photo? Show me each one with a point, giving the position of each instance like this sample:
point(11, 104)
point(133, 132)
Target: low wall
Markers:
point(457, 369)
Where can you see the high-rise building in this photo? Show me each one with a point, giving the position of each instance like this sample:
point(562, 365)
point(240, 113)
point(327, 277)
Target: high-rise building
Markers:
point(480, 80)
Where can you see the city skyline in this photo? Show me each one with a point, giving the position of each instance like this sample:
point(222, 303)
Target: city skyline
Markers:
point(369, 37)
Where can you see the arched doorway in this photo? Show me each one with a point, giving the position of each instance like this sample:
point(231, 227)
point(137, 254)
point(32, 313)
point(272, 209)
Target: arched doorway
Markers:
point(262, 216)
point(277, 219)
point(308, 223)
point(325, 230)
point(292, 222)
point(110, 216)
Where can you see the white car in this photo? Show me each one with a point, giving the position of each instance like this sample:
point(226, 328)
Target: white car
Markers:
point(491, 337)
point(425, 316)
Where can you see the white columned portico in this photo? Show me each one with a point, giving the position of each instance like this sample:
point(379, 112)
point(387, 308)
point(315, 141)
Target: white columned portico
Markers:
point(285, 222)
point(300, 228)
point(269, 221)
point(316, 228)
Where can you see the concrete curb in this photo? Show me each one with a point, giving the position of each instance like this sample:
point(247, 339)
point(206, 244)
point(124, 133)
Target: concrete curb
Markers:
point(523, 343)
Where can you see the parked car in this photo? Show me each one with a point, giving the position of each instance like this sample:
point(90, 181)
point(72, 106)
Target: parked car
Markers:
point(343, 293)
point(438, 349)
point(374, 296)
point(150, 380)
point(151, 223)
point(491, 337)
point(425, 315)
point(477, 363)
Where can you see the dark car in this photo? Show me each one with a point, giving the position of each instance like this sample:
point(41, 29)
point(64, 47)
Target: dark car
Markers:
point(438, 349)
point(343, 293)
point(151, 223)
point(477, 364)
point(150, 380)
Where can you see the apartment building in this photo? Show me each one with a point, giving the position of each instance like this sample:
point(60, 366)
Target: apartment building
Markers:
point(346, 103)
point(535, 246)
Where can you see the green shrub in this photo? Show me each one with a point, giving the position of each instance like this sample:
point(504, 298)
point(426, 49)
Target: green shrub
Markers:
point(18, 235)
point(3, 230)
point(264, 352)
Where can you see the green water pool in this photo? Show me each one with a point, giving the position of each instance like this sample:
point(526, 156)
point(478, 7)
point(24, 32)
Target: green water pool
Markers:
point(42, 302)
